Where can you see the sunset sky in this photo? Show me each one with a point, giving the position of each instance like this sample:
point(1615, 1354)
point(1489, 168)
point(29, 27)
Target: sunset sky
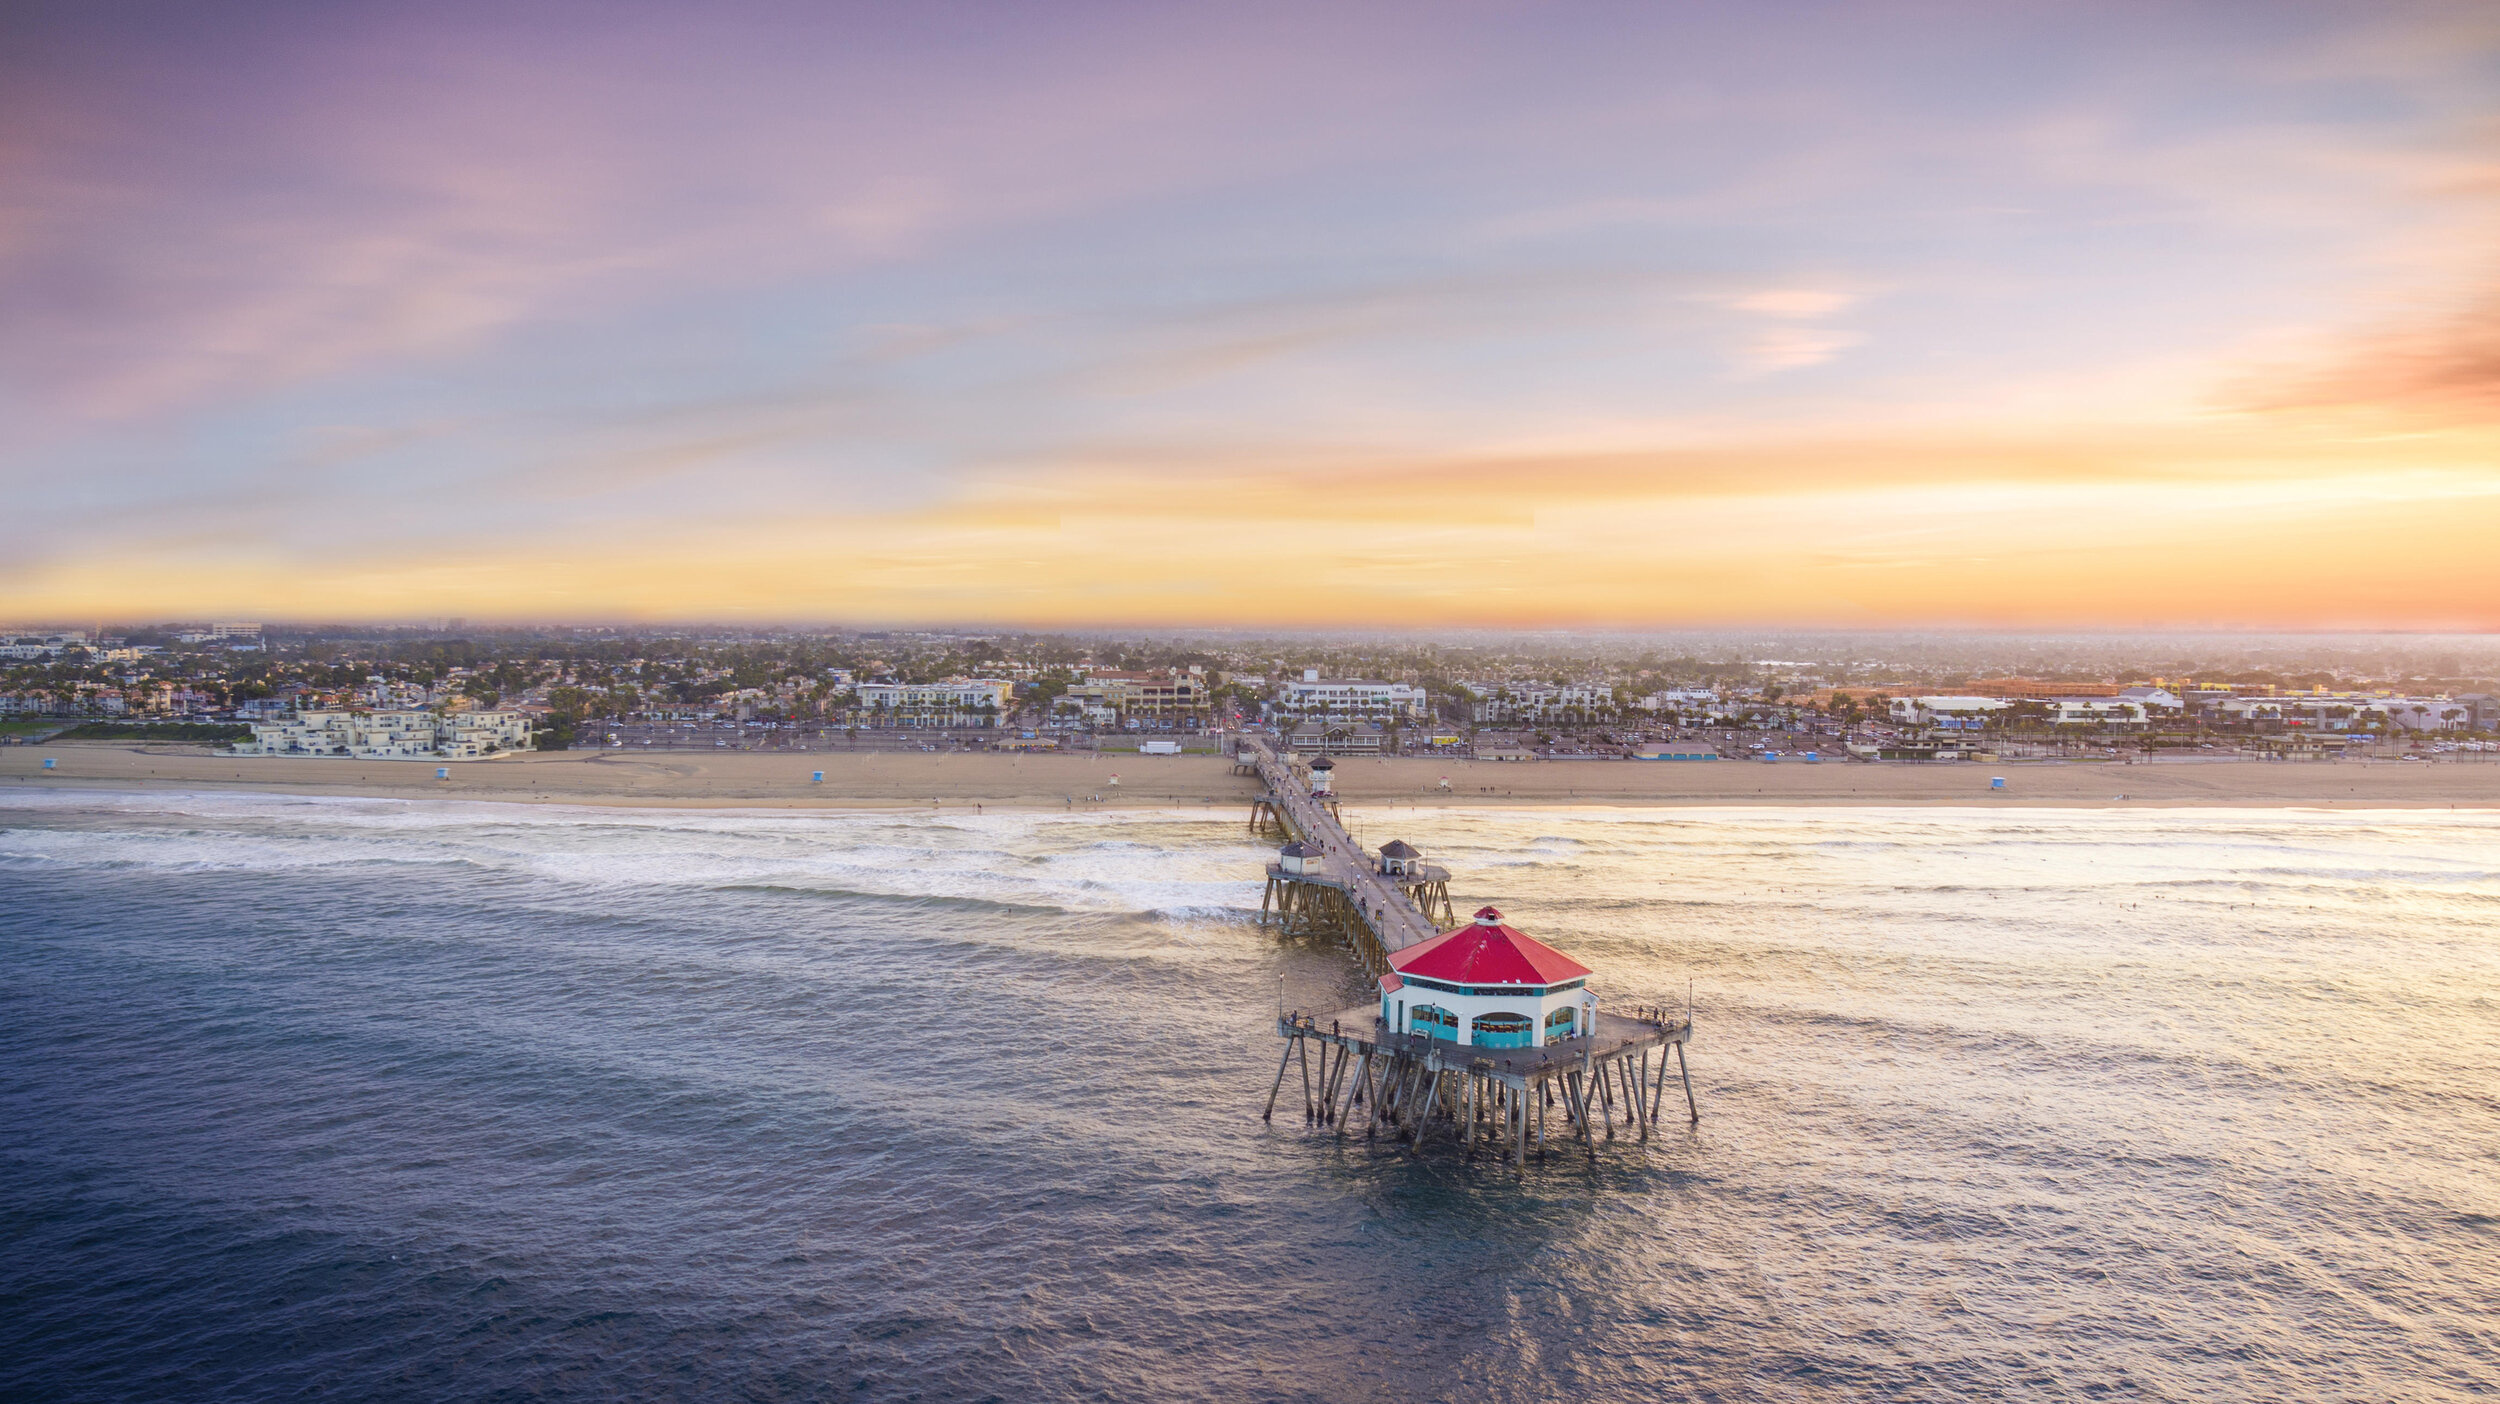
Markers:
point(1853, 314)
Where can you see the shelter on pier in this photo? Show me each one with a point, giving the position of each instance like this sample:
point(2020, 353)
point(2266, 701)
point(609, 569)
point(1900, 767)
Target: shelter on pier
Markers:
point(1487, 985)
point(1323, 776)
point(1300, 859)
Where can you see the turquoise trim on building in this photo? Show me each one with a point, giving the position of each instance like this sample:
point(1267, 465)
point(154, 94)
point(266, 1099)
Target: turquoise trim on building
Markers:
point(1433, 1021)
point(1500, 1030)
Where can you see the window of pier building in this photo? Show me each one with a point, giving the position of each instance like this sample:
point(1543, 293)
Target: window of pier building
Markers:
point(1433, 1021)
point(1502, 1030)
point(1559, 1024)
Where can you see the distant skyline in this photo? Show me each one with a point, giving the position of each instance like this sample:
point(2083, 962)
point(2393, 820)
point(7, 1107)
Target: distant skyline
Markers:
point(1350, 316)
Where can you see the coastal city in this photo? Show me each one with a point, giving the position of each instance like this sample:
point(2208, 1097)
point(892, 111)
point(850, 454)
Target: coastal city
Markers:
point(1283, 703)
point(450, 692)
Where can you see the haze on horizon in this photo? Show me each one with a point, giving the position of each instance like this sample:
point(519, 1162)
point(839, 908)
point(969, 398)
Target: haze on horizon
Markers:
point(1847, 315)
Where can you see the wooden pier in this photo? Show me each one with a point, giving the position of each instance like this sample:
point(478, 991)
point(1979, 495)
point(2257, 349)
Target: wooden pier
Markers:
point(1409, 1084)
point(1506, 1098)
point(1347, 896)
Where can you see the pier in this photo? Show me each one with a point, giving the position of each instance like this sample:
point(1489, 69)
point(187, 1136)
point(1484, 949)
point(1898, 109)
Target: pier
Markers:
point(1410, 1085)
point(1343, 892)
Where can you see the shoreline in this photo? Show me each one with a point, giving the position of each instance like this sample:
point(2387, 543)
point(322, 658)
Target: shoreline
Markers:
point(993, 780)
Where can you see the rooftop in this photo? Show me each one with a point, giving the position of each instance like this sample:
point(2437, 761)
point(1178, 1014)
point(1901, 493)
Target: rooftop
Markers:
point(1487, 952)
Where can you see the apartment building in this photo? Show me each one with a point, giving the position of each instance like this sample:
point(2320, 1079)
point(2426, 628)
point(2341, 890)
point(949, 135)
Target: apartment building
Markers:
point(1315, 696)
point(2333, 711)
point(978, 702)
point(393, 735)
point(1946, 713)
point(2110, 713)
point(1105, 696)
point(1535, 702)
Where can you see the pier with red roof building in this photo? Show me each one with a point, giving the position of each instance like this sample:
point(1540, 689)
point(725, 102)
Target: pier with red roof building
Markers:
point(1480, 1031)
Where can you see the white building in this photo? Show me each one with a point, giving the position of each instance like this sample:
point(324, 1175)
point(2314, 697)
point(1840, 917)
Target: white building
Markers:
point(1485, 985)
point(395, 735)
point(1680, 699)
point(979, 702)
point(1315, 696)
point(1539, 702)
point(1946, 713)
point(2158, 701)
point(25, 648)
point(2097, 711)
point(2430, 713)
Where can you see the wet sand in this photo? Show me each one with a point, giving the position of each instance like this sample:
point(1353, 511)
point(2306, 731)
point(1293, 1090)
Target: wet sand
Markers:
point(921, 780)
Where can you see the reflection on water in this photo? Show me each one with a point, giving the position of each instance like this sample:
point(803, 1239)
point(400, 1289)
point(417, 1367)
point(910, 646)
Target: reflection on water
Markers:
point(414, 1099)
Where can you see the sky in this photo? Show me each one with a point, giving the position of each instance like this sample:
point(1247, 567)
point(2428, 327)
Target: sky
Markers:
point(1998, 314)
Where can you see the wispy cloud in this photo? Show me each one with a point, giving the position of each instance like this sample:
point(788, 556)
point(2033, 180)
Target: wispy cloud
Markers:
point(1105, 312)
point(2439, 370)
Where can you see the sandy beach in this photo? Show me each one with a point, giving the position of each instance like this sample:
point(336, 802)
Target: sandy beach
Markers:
point(919, 780)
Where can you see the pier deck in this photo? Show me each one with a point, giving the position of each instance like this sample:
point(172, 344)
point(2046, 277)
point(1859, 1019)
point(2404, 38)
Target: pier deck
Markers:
point(1381, 914)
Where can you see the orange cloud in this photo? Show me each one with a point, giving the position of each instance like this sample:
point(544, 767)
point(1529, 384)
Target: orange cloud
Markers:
point(2442, 371)
point(2226, 526)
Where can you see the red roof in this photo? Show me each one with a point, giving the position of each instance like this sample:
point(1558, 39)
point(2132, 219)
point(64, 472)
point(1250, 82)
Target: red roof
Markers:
point(1486, 952)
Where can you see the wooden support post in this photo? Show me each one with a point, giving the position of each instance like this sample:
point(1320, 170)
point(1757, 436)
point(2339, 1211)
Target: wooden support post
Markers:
point(1576, 1091)
point(1519, 1102)
point(1423, 1122)
point(1640, 1092)
point(1280, 1081)
point(1302, 1041)
point(1687, 1074)
point(1588, 1126)
point(1354, 1092)
point(1660, 1089)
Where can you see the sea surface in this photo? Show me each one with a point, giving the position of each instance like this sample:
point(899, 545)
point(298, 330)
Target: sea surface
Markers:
point(372, 1100)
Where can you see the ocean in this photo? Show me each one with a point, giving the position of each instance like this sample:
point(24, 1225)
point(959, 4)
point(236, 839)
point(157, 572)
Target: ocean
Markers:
point(383, 1100)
